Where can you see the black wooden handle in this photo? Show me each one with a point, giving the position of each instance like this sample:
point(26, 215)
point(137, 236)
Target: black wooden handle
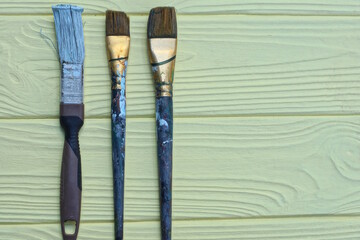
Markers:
point(71, 119)
point(164, 126)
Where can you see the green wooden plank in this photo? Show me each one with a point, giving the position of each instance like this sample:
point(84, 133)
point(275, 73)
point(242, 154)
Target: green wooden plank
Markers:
point(226, 65)
point(223, 168)
point(313, 228)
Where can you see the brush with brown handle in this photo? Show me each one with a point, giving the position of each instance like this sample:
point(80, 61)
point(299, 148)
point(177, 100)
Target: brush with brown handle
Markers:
point(162, 42)
point(70, 41)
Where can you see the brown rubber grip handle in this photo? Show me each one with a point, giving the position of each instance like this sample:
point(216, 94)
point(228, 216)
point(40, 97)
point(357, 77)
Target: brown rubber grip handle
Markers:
point(71, 119)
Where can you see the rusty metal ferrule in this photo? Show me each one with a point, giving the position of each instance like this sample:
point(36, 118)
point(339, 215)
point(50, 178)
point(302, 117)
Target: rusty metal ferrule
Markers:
point(118, 52)
point(162, 52)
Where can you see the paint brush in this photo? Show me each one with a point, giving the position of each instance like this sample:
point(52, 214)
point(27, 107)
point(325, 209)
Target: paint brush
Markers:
point(70, 41)
point(118, 44)
point(162, 42)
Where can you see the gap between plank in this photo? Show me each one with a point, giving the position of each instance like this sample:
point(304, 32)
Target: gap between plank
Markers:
point(196, 117)
point(304, 217)
point(195, 14)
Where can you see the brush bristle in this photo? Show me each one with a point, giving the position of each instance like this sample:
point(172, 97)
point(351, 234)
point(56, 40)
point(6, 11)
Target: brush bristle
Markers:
point(117, 24)
point(69, 33)
point(162, 23)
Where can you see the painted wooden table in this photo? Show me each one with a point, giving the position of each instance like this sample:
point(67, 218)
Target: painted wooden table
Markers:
point(266, 133)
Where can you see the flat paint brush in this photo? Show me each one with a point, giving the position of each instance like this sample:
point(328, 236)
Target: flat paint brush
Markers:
point(70, 41)
point(118, 44)
point(162, 42)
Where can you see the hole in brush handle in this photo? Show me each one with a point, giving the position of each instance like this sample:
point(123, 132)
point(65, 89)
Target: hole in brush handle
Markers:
point(70, 227)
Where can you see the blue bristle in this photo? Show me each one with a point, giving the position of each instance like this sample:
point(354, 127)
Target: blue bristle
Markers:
point(69, 33)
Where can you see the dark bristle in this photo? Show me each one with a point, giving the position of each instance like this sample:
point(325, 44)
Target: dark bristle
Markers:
point(162, 23)
point(117, 24)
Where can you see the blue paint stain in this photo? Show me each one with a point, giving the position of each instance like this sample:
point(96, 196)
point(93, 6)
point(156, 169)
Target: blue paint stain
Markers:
point(162, 122)
point(122, 96)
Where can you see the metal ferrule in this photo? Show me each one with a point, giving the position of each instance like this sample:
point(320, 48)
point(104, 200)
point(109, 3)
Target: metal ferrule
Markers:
point(162, 53)
point(118, 52)
point(72, 83)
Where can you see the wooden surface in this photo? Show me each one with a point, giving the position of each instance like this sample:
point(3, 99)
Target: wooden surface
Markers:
point(266, 129)
point(280, 65)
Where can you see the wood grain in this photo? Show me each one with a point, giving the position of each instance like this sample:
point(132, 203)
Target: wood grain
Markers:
point(268, 7)
point(241, 171)
point(226, 66)
point(223, 168)
point(340, 228)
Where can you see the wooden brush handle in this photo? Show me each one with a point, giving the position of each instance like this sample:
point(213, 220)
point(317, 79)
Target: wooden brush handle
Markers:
point(118, 126)
point(164, 126)
point(71, 119)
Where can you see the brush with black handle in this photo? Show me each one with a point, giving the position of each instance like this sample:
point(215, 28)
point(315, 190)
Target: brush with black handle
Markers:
point(70, 41)
point(118, 44)
point(162, 42)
